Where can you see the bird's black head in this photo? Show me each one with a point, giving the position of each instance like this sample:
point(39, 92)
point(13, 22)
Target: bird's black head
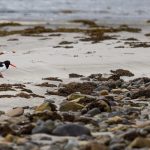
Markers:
point(7, 63)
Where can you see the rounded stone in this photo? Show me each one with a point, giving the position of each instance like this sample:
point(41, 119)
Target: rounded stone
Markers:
point(46, 106)
point(44, 127)
point(104, 92)
point(116, 91)
point(94, 112)
point(15, 112)
point(71, 106)
point(71, 130)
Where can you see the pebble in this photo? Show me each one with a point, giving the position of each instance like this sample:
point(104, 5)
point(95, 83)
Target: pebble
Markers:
point(44, 127)
point(74, 96)
point(94, 112)
point(140, 142)
point(72, 144)
point(105, 113)
point(15, 112)
point(116, 91)
point(41, 138)
point(104, 92)
point(70, 106)
point(71, 130)
point(46, 107)
point(94, 145)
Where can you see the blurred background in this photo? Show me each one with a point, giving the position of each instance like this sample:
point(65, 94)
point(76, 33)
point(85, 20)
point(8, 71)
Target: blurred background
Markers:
point(107, 11)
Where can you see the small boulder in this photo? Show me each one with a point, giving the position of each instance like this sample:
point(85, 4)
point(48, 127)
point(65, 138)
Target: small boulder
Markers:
point(104, 92)
point(115, 120)
point(94, 112)
point(140, 142)
point(102, 105)
point(84, 88)
point(94, 145)
point(75, 96)
point(70, 106)
point(140, 93)
point(74, 75)
point(15, 112)
point(44, 127)
point(116, 91)
point(122, 72)
point(71, 130)
point(46, 107)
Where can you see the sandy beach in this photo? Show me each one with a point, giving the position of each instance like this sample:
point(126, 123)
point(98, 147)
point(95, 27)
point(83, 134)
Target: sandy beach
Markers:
point(39, 100)
point(40, 56)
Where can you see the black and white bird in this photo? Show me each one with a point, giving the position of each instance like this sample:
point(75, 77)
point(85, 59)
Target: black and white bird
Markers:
point(4, 66)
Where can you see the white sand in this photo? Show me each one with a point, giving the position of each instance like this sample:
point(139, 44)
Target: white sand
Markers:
point(37, 58)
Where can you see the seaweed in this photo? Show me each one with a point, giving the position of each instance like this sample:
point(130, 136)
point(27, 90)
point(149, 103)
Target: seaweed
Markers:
point(9, 24)
point(65, 42)
point(138, 44)
point(52, 79)
point(35, 30)
point(94, 34)
point(68, 47)
point(46, 84)
point(90, 23)
point(148, 21)
point(147, 34)
point(131, 39)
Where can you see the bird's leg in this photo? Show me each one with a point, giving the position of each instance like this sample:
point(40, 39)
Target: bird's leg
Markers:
point(1, 76)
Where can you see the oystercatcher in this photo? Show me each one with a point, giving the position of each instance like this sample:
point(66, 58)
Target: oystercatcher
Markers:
point(4, 66)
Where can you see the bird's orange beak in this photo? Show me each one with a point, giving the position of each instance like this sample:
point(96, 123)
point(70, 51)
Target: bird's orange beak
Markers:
point(13, 65)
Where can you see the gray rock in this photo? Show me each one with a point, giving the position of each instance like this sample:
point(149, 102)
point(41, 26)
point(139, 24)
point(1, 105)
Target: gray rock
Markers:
point(71, 145)
point(102, 87)
point(44, 127)
point(117, 146)
point(71, 130)
point(50, 100)
point(5, 147)
point(41, 139)
point(94, 112)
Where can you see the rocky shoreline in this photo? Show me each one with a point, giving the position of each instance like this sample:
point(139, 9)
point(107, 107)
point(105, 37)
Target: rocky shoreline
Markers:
point(97, 112)
point(42, 109)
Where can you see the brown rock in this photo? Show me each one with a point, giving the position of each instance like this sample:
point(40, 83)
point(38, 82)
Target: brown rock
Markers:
point(116, 91)
point(10, 138)
point(104, 92)
point(140, 142)
point(115, 120)
point(122, 72)
point(5, 130)
point(94, 145)
point(71, 106)
point(15, 112)
point(140, 93)
point(45, 116)
point(46, 106)
point(103, 106)
point(74, 96)
point(74, 75)
point(23, 95)
point(84, 88)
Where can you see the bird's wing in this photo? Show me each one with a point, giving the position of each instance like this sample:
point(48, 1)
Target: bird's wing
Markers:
point(1, 64)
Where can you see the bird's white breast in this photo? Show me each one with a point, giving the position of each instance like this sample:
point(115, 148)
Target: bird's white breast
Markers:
point(3, 68)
